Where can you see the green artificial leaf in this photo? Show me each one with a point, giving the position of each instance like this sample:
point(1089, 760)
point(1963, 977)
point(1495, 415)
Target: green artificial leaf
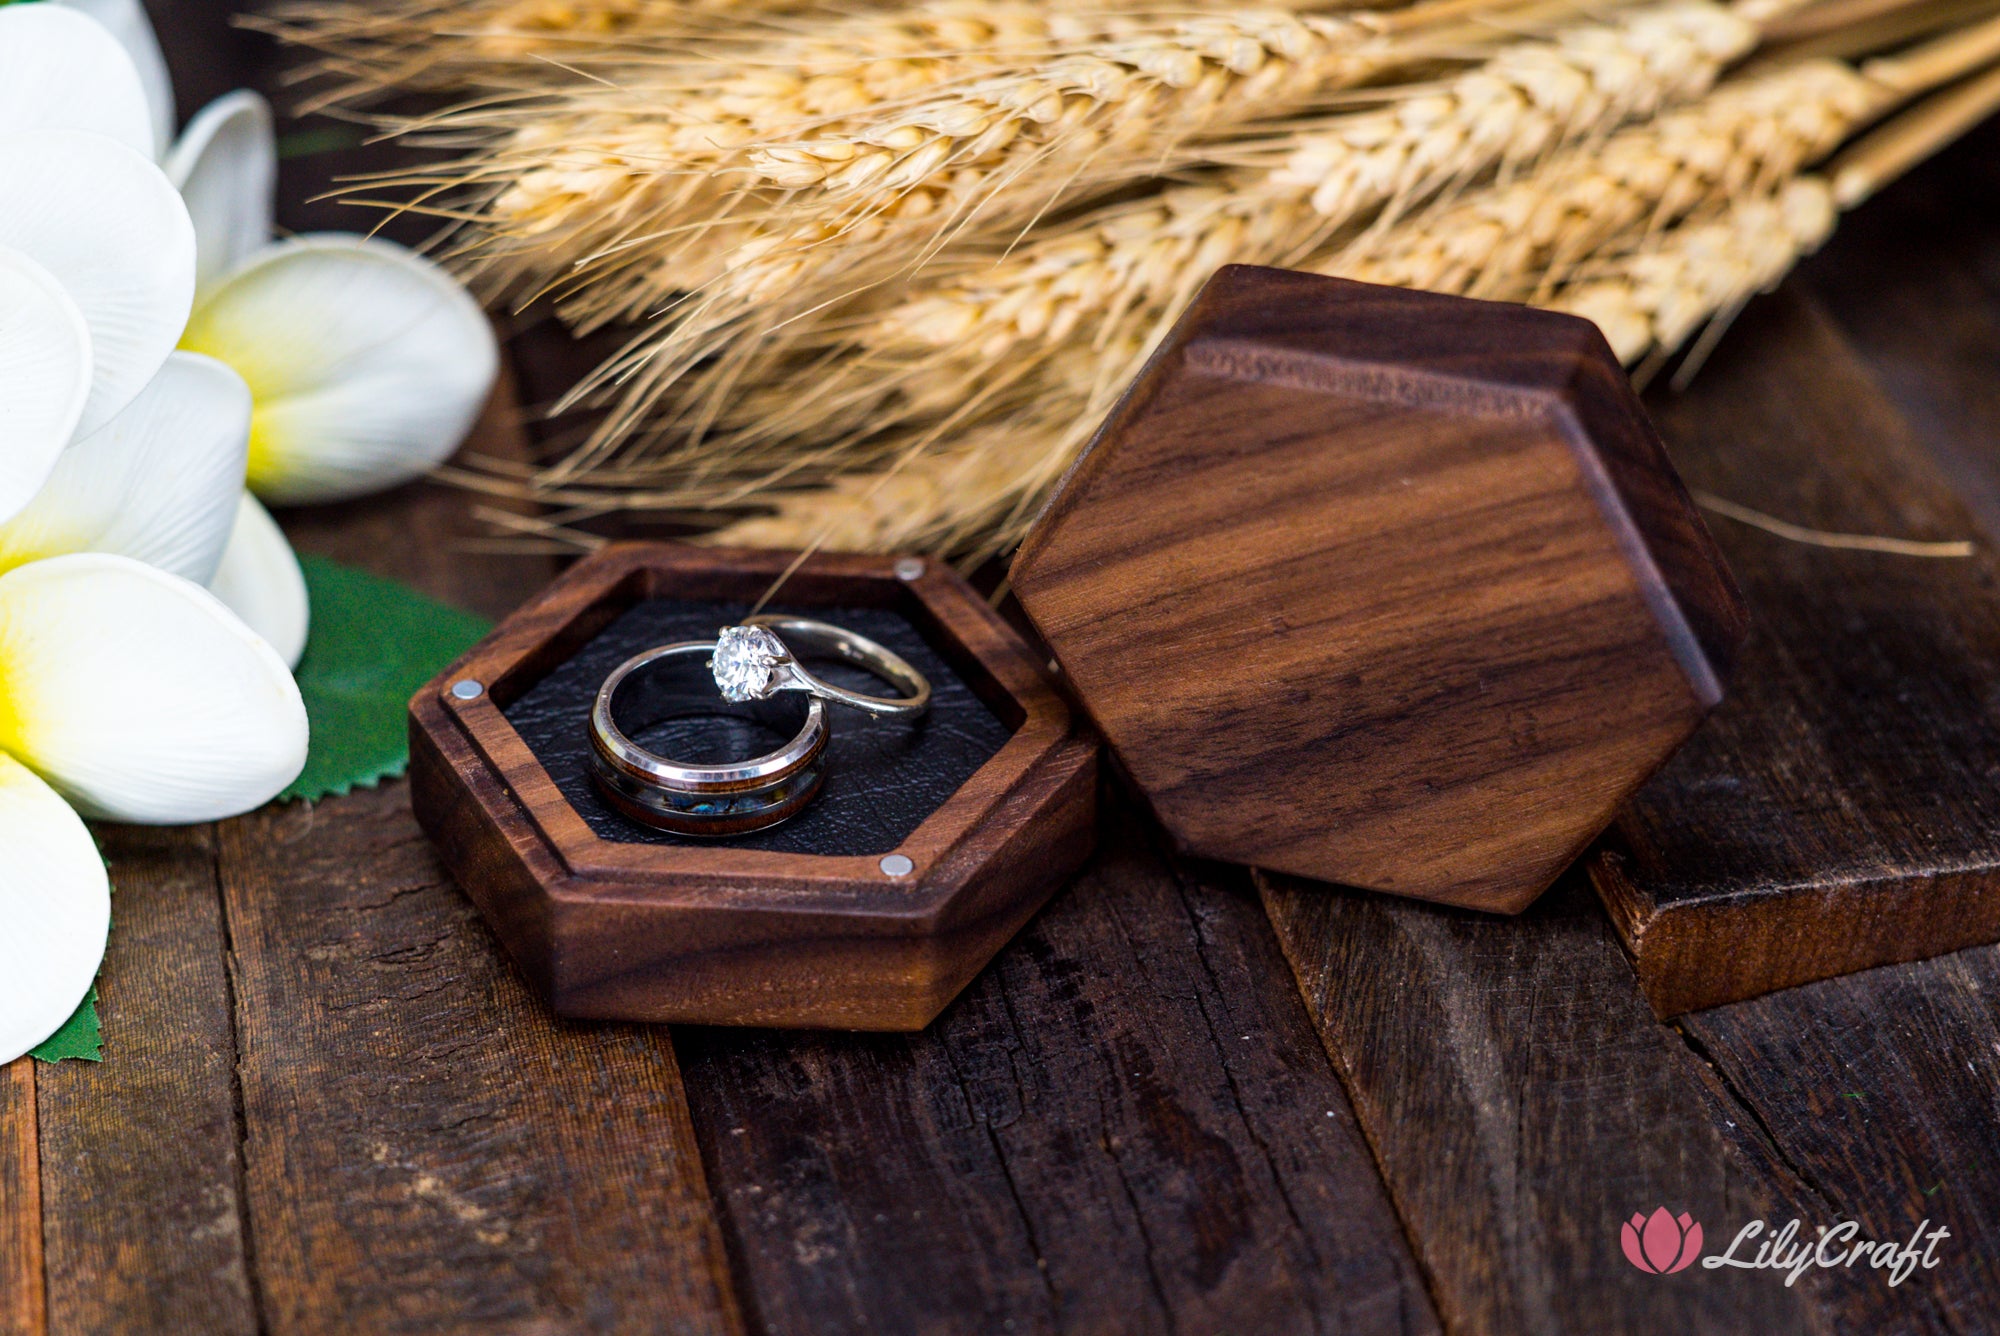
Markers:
point(78, 1038)
point(372, 643)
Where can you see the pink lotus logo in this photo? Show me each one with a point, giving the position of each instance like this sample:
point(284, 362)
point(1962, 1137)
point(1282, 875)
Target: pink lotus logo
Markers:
point(1661, 1244)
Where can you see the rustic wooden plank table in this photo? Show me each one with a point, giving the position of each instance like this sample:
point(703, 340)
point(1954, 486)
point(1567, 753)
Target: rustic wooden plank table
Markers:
point(1181, 1101)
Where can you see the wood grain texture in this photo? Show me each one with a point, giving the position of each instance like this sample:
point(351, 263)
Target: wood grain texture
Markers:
point(1882, 1090)
point(1839, 811)
point(427, 1149)
point(23, 1311)
point(715, 934)
point(142, 1206)
point(1383, 588)
point(1522, 1103)
point(1124, 1125)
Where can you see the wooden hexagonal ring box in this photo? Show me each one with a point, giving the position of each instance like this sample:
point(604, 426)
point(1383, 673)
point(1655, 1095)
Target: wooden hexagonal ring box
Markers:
point(930, 845)
point(1384, 588)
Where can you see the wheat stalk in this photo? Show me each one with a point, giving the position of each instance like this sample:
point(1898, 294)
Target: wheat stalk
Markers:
point(626, 199)
point(1116, 277)
point(1658, 292)
point(631, 171)
point(1520, 241)
point(1517, 242)
point(893, 263)
point(1513, 240)
point(1753, 217)
point(396, 46)
point(1133, 260)
point(1104, 100)
point(757, 304)
point(741, 270)
point(979, 495)
point(628, 189)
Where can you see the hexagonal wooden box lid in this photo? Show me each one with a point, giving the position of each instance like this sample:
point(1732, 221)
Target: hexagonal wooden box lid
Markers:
point(1383, 588)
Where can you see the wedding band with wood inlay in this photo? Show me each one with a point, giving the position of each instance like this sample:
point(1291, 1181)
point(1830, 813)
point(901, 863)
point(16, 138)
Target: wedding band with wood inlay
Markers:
point(734, 798)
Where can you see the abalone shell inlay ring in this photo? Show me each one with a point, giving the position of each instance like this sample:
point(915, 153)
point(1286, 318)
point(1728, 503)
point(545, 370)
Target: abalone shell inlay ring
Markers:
point(735, 798)
point(754, 661)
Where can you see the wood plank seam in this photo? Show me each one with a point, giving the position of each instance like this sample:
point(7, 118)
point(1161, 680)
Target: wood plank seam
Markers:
point(37, 1250)
point(1063, 1151)
point(1434, 1288)
point(1836, 814)
point(1526, 1267)
point(1006, 1167)
point(1920, 1307)
point(242, 1129)
point(25, 1311)
point(142, 1227)
point(1884, 1082)
point(1187, 891)
point(1741, 1105)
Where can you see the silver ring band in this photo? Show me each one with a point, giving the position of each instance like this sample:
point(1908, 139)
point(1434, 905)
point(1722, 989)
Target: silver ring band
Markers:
point(688, 799)
point(755, 661)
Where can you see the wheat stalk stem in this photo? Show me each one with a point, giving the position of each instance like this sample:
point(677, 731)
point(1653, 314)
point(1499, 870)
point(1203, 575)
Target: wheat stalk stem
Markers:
point(1881, 157)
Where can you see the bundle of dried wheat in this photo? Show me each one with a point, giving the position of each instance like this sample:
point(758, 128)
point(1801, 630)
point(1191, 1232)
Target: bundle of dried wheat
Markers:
point(886, 267)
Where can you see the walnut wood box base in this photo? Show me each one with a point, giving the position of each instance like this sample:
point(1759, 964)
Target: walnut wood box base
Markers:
point(714, 933)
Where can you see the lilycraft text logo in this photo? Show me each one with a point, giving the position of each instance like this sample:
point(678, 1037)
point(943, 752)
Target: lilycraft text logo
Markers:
point(1663, 1243)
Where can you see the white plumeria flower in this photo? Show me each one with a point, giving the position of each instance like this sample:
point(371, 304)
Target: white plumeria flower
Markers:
point(57, 71)
point(136, 696)
point(159, 483)
point(367, 363)
point(55, 899)
point(225, 164)
point(259, 578)
point(97, 251)
point(129, 26)
point(127, 691)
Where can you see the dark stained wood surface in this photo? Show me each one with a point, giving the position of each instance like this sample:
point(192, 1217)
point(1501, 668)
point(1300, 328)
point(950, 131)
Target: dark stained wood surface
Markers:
point(141, 1155)
point(403, 1172)
point(1124, 1125)
point(1384, 588)
point(1523, 1103)
point(407, 1171)
point(1077, 1144)
point(1883, 1088)
point(1839, 810)
point(23, 1311)
point(1913, 281)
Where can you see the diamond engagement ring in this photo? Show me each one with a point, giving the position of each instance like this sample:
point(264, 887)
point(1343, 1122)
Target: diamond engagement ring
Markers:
point(736, 798)
point(754, 661)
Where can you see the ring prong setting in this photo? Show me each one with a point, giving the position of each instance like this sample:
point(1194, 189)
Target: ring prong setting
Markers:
point(746, 663)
